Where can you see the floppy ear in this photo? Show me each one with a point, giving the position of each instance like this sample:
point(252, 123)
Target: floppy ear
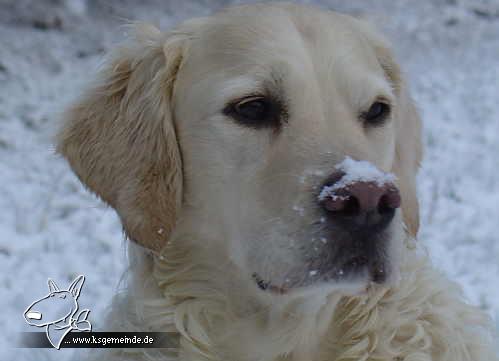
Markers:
point(408, 154)
point(119, 138)
point(408, 148)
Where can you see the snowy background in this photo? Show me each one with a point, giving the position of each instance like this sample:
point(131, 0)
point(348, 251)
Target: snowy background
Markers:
point(51, 227)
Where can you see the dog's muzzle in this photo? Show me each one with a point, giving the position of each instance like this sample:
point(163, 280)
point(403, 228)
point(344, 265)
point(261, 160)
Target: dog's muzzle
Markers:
point(354, 234)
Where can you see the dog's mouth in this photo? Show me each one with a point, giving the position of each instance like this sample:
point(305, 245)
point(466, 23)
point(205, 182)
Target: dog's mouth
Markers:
point(267, 286)
point(351, 269)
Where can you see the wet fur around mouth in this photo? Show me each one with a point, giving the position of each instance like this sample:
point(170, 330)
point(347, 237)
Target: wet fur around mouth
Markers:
point(344, 255)
point(353, 264)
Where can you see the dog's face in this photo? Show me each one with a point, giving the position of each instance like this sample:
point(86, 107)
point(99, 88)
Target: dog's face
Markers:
point(231, 128)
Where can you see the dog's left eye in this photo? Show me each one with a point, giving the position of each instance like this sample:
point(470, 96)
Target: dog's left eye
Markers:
point(376, 114)
point(255, 111)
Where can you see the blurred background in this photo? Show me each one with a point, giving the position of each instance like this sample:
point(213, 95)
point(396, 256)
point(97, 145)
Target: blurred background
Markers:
point(50, 226)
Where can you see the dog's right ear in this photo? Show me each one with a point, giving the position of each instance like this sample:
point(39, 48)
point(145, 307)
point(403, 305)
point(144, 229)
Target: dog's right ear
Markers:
point(120, 140)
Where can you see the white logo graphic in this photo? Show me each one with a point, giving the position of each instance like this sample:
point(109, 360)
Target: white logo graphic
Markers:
point(56, 312)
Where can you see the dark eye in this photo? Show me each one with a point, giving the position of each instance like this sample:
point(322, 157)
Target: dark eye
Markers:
point(256, 111)
point(377, 113)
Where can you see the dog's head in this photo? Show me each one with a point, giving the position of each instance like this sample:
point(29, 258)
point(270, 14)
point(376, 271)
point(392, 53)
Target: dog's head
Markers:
point(231, 127)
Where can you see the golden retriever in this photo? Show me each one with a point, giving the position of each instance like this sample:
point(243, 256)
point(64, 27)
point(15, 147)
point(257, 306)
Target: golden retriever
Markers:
point(223, 145)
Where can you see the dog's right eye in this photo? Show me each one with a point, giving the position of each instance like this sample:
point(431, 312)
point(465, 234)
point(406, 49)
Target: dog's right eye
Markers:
point(255, 111)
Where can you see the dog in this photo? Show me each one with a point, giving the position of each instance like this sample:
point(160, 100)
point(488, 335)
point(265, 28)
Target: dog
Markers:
point(225, 147)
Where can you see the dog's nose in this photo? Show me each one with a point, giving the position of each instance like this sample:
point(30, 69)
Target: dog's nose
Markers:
point(360, 205)
point(34, 315)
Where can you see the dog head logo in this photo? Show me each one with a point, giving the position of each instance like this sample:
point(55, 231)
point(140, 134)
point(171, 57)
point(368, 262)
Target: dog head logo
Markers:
point(58, 312)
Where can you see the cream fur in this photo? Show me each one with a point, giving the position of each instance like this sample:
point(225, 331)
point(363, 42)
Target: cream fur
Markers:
point(208, 201)
point(422, 318)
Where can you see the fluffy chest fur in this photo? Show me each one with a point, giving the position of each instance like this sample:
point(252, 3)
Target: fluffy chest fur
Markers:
point(422, 318)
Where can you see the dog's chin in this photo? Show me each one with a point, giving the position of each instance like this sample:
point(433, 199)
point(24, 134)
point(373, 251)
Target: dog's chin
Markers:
point(355, 276)
point(352, 284)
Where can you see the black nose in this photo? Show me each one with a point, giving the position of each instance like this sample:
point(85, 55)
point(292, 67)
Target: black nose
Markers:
point(360, 206)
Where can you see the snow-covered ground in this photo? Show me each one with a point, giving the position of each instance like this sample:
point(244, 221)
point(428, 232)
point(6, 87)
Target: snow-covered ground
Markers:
point(51, 227)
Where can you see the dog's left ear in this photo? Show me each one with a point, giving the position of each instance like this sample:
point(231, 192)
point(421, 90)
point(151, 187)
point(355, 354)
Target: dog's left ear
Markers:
point(408, 148)
point(408, 153)
point(120, 140)
point(76, 285)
